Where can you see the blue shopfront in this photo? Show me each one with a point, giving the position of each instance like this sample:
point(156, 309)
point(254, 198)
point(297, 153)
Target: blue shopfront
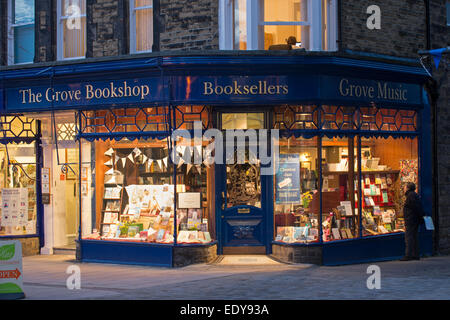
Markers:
point(321, 147)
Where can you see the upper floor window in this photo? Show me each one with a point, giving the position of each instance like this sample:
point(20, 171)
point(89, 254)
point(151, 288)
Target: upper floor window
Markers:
point(20, 31)
point(141, 25)
point(71, 31)
point(283, 24)
point(448, 13)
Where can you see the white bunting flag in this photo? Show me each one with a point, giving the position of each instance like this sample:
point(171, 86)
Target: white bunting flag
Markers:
point(109, 162)
point(180, 163)
point(137, 152)
point(165, 161)
point(159, 162)
point(124, 160)
point(189, 166)
point(109, 152)
point(144, 158)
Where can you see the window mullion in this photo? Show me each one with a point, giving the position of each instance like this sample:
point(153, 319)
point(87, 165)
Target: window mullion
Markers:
point(252, 24)
point(314, 16)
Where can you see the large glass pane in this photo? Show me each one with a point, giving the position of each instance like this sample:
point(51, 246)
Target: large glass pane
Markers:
point(18, 189)
point(240, 24)
point(144, 25)
point(74, 29)
point(243, 121)
point(289, 12)
point(195, 194)
point(24, 44)
point(243, 184)
point(387, 165)
point(296, 191)
point(339, 189)
point(134, 191)
point(23, 11)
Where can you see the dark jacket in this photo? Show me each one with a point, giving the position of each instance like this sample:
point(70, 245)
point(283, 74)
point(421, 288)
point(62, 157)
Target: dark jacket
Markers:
point(412, 210)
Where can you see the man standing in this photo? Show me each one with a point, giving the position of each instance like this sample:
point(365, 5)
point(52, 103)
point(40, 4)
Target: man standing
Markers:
point(413, 214)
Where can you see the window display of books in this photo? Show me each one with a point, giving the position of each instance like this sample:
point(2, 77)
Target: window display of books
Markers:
point(297, 234)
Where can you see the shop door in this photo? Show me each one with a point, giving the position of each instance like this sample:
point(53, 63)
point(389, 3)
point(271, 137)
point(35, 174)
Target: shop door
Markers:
point(66, 198)
point(243, 202)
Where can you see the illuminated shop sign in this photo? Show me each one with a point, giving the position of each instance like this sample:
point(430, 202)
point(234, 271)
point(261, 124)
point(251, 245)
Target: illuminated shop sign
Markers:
point(213, 90)
point(86, 94)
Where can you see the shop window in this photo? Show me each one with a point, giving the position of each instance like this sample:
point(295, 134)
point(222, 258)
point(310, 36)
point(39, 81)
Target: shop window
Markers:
point(277, 24)
point(20, 31)
point(340, 219)
point(296, 193)
point(134, 194)
point(387, 165)
point(71, 30)
point(195, 195)
point(242, 121)
point(141, 25)
point(18, 189)
point(296, 117)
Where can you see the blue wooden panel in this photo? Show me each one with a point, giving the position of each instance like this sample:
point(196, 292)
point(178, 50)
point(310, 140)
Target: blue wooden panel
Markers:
point(126, 253)
point(371, 249)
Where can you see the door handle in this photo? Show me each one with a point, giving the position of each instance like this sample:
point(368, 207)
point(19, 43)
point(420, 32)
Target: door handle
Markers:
point(223, 201)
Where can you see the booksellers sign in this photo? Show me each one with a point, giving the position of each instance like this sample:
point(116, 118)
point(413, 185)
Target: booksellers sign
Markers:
point(288, 179)
point(11, 280)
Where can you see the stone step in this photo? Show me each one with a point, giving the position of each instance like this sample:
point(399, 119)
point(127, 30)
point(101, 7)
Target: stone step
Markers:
point(64, 250)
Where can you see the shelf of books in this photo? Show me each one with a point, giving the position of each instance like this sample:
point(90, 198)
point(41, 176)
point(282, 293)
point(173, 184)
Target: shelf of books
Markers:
point(378, 207)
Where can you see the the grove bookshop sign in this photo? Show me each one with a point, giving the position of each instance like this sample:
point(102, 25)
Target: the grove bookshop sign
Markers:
point(11, 280)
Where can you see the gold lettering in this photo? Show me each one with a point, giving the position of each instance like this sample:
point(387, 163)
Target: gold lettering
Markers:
point(207, 88)
point(89, 92)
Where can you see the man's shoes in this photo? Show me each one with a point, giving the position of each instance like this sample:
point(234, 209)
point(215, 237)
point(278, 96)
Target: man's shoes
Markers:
point(406, 258)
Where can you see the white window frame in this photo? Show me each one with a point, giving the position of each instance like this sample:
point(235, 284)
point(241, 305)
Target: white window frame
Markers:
point(254, 22)
point(10, 34)
point(133, 10)
point(60, 34)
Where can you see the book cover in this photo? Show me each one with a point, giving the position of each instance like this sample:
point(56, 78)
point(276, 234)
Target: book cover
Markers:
point(160, 235)
point(336, 234)
point(207, 236)
point(107, 217)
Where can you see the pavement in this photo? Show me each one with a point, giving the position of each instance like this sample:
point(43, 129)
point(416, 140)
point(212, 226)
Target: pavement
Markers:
point(236, 278)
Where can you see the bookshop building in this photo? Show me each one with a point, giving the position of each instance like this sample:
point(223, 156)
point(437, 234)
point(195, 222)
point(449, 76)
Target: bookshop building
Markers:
point(87, 157)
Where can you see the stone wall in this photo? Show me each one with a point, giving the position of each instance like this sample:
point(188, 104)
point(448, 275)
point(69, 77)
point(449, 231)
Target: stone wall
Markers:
point(3, 36)
point(189, 25)
point(297, 254)
point(402, 31)
point(440, 37)
point(30, 246)
point(183, 256)
point(107, 32)
point(45, 31)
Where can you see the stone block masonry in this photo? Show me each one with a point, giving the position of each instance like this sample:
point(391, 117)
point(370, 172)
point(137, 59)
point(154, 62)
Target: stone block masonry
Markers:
point(30, 246)
point(189, 25)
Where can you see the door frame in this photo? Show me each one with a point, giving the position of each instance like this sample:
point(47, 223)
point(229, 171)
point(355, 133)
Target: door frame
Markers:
point(266, 195)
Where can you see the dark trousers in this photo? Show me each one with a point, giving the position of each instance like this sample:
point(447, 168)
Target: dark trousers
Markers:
point(411, 242)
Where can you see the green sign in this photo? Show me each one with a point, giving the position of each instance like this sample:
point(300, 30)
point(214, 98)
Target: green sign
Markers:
point(11, 279)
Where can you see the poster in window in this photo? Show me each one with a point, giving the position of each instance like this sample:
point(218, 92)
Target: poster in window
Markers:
point(287, 179)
